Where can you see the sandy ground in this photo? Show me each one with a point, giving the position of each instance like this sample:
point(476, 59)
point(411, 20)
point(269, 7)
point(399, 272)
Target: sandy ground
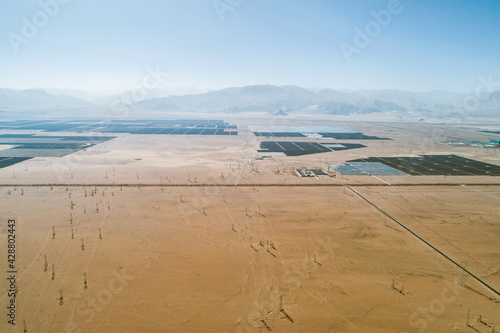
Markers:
point(217, 259)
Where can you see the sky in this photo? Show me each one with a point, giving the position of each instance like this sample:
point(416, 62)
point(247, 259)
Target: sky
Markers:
point(417, 45)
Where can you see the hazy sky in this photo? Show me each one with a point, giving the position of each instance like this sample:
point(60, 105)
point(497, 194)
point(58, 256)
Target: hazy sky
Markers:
point(107, 44)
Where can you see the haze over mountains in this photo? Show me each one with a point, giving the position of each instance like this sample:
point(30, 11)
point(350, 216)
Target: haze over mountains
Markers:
point(259, 98)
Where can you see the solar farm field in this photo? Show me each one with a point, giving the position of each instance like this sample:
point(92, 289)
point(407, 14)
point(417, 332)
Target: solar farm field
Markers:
point(448, 165)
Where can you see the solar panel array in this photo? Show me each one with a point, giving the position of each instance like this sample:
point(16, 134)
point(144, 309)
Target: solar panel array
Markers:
point(348, 169)
point(350, 136)
point(26, 146)
point(317, 132)
point(280, 134)
point(290, 148)
point(366, 168)
point(173, 127)
point(301, 129)
point(8, 161)
point(429, 165)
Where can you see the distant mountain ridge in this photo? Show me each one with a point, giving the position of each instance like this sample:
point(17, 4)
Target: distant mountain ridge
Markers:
point(321, 101)
point(265, 98)
point(35, 98)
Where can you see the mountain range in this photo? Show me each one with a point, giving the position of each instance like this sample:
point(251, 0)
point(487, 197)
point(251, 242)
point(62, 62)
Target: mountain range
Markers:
point(257, 98)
